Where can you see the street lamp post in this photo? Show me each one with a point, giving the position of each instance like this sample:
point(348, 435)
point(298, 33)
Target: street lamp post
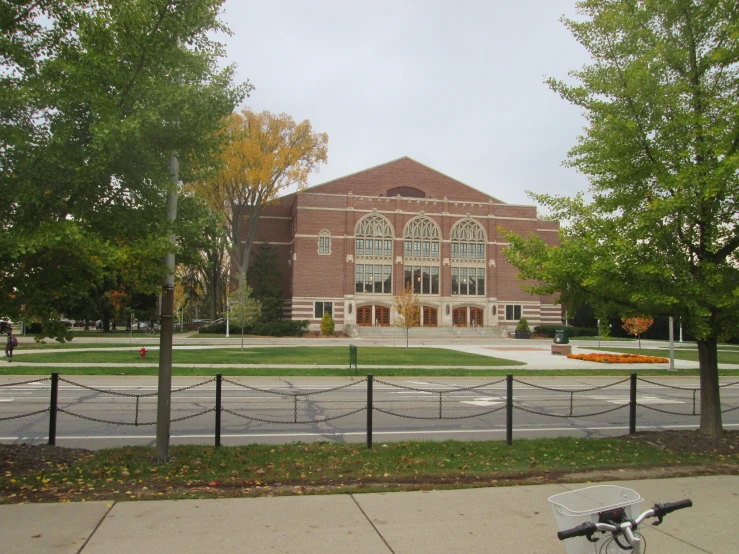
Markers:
point(227, 326)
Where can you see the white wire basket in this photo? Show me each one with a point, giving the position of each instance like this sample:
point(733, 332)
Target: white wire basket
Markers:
point(576, 507)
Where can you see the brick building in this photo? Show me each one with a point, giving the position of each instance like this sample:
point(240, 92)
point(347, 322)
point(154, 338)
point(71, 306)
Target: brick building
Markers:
point(349, 245)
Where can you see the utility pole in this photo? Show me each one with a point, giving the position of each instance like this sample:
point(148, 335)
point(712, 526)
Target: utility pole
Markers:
point(164, 389)
point(166, 328)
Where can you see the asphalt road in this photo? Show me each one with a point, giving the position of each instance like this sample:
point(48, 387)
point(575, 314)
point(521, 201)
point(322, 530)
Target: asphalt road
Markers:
point(264, 410)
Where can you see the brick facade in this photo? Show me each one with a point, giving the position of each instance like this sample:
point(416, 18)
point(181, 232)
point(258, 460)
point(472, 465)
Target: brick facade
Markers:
point(295, 225)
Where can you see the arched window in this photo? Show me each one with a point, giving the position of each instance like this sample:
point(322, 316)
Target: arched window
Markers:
point(468, 240)
point(469, 244)
point(324, 242)
point(421, 240)
point(373, 250)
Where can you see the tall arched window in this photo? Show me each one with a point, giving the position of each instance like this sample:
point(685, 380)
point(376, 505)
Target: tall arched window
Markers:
point(421, 240)
point(468, 243)
point(324, 242)
point(373, 251)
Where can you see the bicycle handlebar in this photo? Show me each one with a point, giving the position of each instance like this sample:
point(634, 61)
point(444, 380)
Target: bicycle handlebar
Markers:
point(581, 530)
point(669, 507)
point(588, 528)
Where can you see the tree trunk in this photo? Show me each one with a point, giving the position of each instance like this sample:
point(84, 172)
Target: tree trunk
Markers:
point(710, 422)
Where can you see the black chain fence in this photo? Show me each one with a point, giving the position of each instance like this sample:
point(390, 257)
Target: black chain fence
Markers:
point(19, 383)
point(299, 402)
point(441, 394)
point(295, 397)
point(695, 392)
point(138, 397)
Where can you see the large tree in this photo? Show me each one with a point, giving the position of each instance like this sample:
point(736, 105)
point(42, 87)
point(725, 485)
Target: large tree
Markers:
point(262, 157)
point(96, 94)
point(661, 150)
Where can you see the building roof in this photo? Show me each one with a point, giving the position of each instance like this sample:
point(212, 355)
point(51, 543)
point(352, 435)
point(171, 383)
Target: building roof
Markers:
point(404, 176)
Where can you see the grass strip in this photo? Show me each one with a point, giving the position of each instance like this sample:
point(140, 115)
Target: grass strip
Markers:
point(15, 369)
point(128, 473)
point(299, 355)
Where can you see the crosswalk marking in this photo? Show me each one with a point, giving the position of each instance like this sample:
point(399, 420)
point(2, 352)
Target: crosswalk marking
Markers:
point(640, 399)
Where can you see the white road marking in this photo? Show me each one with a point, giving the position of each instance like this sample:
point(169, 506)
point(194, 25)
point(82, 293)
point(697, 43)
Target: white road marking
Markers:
point(483, 401)
point(640, 399)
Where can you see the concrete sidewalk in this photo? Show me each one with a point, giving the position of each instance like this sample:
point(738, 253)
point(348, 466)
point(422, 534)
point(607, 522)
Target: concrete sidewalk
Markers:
point(503, 520)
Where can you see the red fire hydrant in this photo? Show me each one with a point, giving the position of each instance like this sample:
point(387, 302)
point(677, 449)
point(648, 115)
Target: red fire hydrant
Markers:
point(142, 352)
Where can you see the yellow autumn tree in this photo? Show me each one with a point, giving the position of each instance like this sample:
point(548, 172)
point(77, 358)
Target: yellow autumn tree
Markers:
point(407, 310)
point(263, 155)
point(636, 326)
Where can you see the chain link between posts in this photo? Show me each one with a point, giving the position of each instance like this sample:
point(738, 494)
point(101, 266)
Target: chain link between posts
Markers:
point(294, 396)
point(24, 415)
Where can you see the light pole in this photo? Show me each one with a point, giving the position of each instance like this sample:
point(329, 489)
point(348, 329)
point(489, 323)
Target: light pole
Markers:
point(227, 310)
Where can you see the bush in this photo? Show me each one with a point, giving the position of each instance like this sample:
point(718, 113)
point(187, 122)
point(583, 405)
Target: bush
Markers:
point(548, 331)
point(282, 328)
point(327, 324)
point(523, 325)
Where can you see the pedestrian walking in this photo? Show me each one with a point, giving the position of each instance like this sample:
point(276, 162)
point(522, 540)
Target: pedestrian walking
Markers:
point(10, 345)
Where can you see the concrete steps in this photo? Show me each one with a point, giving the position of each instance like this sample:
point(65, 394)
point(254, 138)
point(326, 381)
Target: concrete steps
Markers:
point(446, 333)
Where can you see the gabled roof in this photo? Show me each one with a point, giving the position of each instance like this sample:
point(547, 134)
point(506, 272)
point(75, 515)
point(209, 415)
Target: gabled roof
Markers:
point(403, 172)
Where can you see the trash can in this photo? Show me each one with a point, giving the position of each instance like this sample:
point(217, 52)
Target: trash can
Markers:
point(560, 337)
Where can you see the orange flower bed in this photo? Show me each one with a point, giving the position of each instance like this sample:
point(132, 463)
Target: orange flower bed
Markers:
point(619, 358)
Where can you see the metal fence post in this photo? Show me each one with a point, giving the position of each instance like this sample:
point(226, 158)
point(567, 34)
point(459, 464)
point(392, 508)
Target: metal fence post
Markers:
point(632, 405)
point(219, 378)
point(53, 407)
point(509, 409)
point(369, 410)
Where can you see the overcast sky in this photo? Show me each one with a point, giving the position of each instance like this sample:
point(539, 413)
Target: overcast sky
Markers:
point(456, 85)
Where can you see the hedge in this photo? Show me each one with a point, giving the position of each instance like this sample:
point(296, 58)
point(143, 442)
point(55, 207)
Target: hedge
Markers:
point(282, 328)
point(548, 331)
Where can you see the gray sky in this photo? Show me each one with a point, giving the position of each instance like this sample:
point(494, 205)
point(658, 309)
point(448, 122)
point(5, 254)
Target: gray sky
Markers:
point(458, 86)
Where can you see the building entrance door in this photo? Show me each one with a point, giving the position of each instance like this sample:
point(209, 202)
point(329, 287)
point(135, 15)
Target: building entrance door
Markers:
point(382, 314)
point(429, 316)
point(459, 317)
point(476, 316)
point(364, 316)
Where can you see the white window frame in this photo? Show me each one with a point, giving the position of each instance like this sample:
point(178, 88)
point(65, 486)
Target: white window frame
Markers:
point(513, 312)
point(324, 237)
point(323, 305)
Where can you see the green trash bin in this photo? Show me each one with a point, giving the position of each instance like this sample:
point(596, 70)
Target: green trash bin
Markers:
point(560, 337)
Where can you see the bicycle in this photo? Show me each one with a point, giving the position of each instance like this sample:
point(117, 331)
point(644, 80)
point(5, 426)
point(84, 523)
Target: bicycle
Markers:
point(606, 509)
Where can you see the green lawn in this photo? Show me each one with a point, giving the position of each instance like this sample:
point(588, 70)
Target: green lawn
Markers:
point(726, 355)
point(298, 355)
point(128, 473)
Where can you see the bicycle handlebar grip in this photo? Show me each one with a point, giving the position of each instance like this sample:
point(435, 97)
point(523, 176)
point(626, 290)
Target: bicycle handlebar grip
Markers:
point(669, 507)
point(581, 530)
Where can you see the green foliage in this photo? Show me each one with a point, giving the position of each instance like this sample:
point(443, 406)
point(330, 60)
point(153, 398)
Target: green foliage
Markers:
point(523, 325)
point(661, 150)
point(243, 310)
point(282, 328)
point(94, 99)
point(327, 324)
point(55, 329)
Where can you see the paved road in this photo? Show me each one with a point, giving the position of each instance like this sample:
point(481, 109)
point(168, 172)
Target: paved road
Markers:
point(474, 413)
